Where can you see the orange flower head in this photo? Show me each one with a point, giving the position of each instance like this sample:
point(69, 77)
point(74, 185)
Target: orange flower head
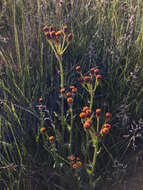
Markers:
point(69, 37)
point(92, 71)
point(81, 80)
point(45, 29)
point(78, 159)
point(65, 28)
point(107, 125)
point(68, 94)
point(72, 158)
point(98, 113)
point(74, 166)
point(69, 100)
point(43, 129)
point(88, 113)
point(41, 100)
point(71, 87)
point(98, 77)
point(62, 90)
point(87, 125)
point(79, 163)
point(48, 36)
point(96, 72)
point(78, 69)
point(108, 116)
point(104, 131)
point(59, 33)
point(85, 108)
point(51, 138)
point(82, 115)
point(53, 34)
point(87, 79)
point(74, 90)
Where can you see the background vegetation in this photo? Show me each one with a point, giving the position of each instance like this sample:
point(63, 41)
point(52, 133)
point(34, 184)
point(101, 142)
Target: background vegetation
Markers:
point(107, 34)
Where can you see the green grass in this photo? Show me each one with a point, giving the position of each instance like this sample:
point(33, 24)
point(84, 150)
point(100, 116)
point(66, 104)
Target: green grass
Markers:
point(106, 35)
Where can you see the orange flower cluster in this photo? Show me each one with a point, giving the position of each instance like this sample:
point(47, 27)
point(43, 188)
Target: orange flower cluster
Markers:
point(51, 34)
point(85, 116)
point(88, 79)
point(105, 129)
point(70, 94)
point(75, 162)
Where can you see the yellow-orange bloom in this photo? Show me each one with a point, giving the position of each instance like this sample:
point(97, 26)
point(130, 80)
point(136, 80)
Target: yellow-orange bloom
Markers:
point(59, 33)
point(82, 115)
point(74, 90)
point(43, 129)
point(104, 131)
point(78, 69)
point(85, 108)
point(79, 163)
point(69, 100)
point(51, 138)
point(62, 90)
point(98, 113)
point(74, 166)
point(107, 125)
point(68, 94)
point(108, 116)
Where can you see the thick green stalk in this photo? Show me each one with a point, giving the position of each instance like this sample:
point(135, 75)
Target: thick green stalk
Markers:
point(59, 58)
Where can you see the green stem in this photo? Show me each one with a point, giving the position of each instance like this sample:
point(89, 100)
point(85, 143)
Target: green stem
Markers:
point(59, 58)
point(71, 132)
